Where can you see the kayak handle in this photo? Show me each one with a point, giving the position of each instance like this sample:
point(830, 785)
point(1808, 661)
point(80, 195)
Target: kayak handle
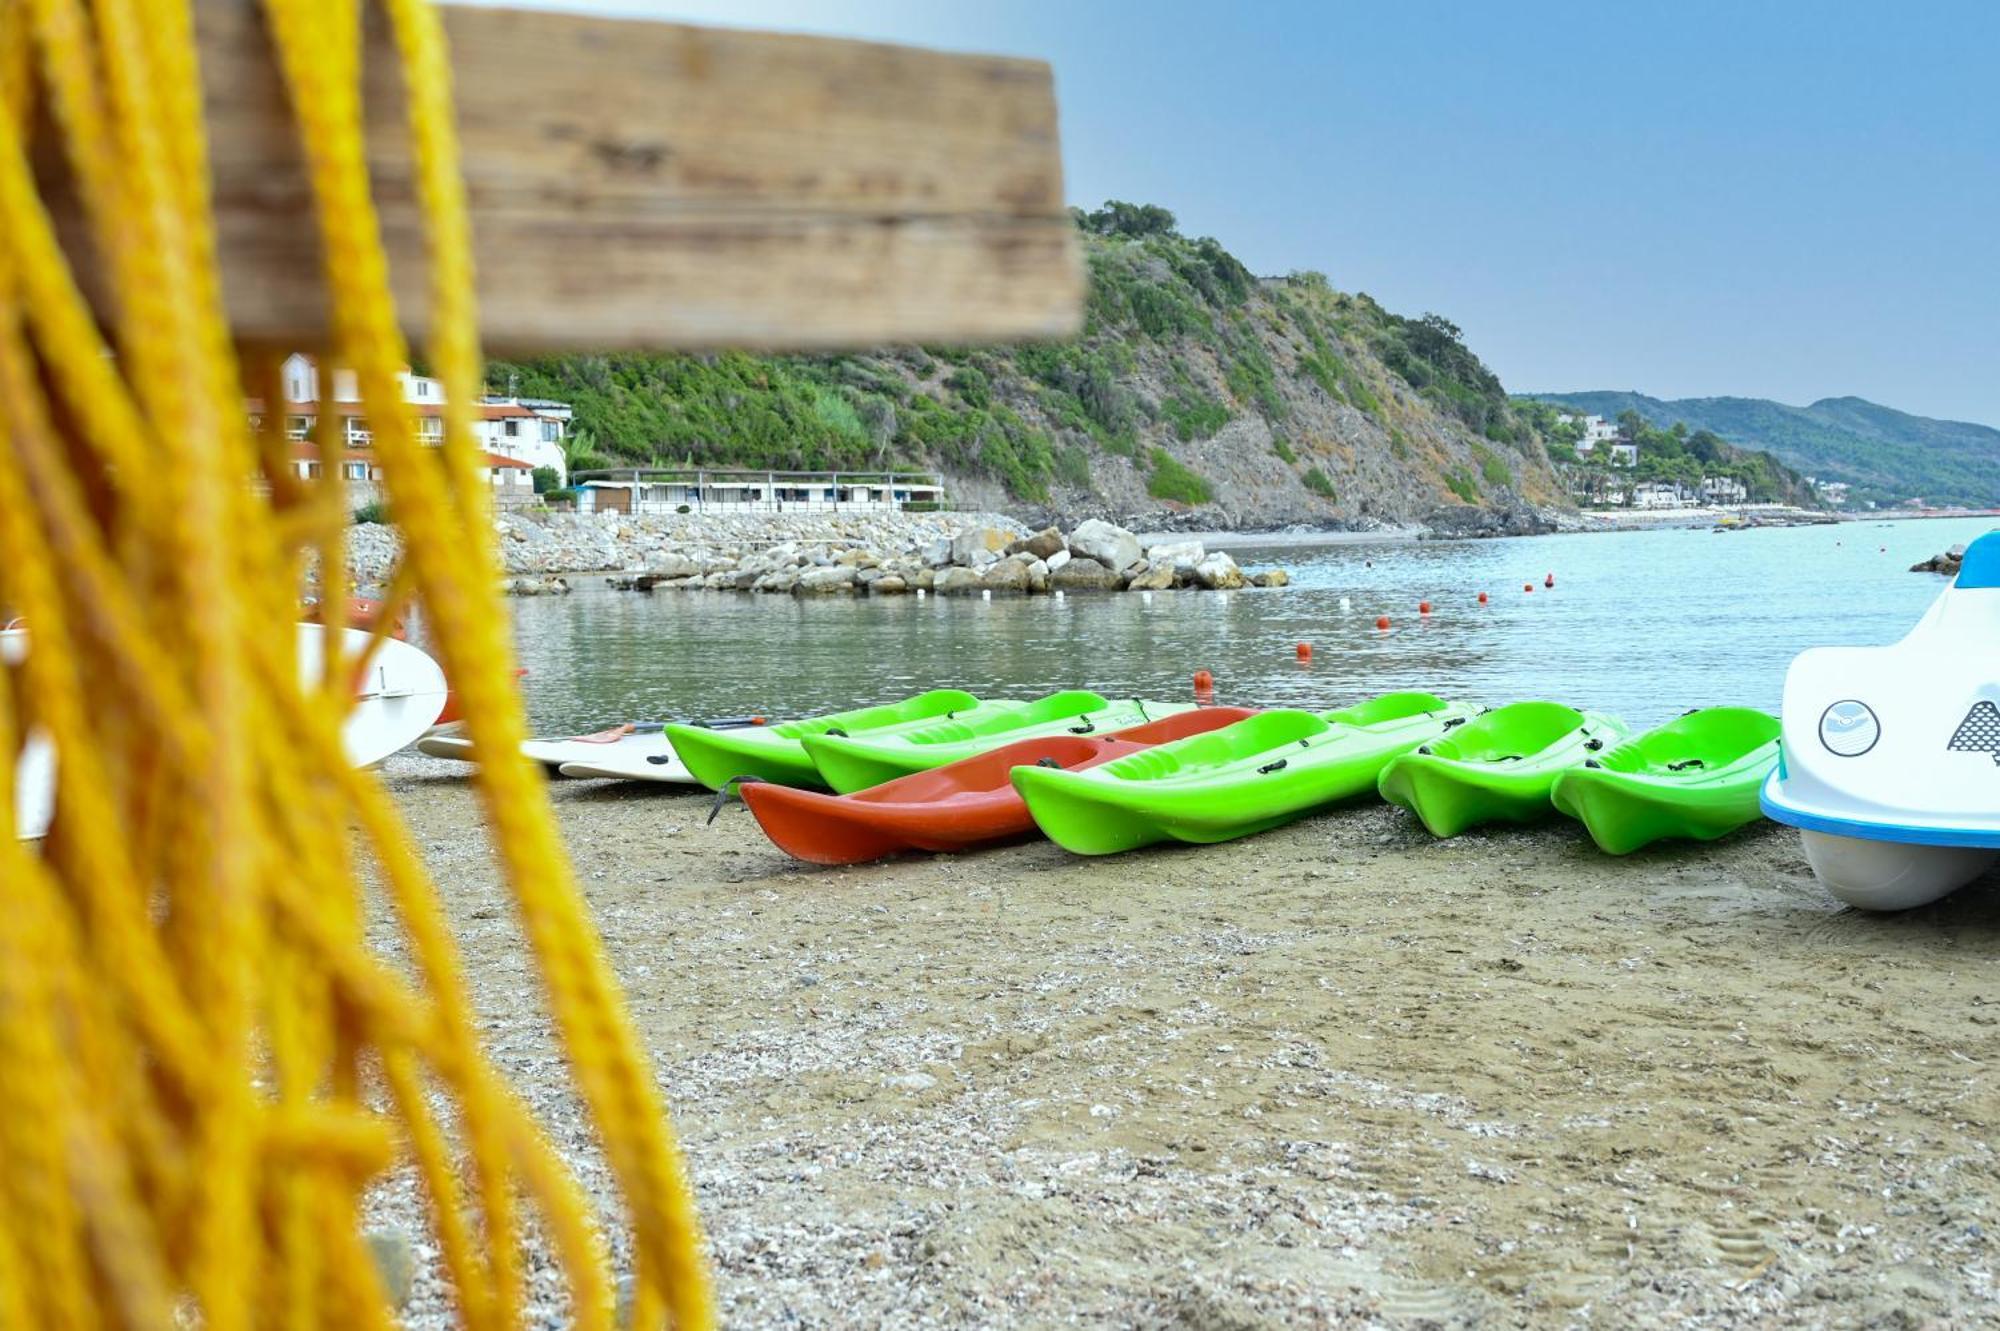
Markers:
point(1455, 721)
point(722, 793)
point(1682, 767)
point(1594, 745)
point(1277, 766)
point(835, 731)
point(1088, 727)
point(659, 759)
point(1047, 762)
point(1592, 762)
point(1424, 749)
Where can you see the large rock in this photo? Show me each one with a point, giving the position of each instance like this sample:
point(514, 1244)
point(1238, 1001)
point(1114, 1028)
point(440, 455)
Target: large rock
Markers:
point(1177, 555)
point(1041, 545)
point(1218, 572)
point(825, 581)
point(1271, 577)
point(1107, 543)
point(956, 582)
point(665, 564)
point(889, 584)
point(1009, 577)
point(1157, 578)
point(1058, 559)
point(1085, 575)
point(938, 553)
point(968, 543)
point(778, 580)
point(1038, 576)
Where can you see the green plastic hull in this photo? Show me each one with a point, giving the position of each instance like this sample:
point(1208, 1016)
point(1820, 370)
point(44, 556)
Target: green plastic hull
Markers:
point(1696, 778)
point(1502, 768)
point(1258, 774)
point(778, 753)
point(854, 763)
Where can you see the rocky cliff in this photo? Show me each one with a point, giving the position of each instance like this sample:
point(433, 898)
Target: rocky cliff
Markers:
point(1197, 396)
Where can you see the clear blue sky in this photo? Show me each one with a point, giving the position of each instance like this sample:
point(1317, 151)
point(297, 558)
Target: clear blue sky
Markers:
point(1788, 200)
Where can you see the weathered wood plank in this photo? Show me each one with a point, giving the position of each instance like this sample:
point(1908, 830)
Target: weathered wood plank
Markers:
point(640, 184)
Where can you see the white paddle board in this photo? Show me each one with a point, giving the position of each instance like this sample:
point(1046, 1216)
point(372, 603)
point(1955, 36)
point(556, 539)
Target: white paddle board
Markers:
point(643, 756)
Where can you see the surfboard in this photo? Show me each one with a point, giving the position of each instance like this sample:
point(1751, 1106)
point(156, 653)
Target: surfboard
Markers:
point(396, 700)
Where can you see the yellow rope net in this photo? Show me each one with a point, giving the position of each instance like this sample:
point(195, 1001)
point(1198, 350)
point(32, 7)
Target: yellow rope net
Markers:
point(203, 1066)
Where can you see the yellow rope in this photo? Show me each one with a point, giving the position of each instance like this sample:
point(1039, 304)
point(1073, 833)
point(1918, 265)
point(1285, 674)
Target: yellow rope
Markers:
point(206, 1065)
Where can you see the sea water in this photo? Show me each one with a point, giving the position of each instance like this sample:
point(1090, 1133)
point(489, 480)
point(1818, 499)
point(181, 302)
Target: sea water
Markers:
point(1645, 624)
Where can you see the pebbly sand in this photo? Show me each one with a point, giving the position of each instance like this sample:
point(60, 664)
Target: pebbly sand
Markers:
point(1336, 1075)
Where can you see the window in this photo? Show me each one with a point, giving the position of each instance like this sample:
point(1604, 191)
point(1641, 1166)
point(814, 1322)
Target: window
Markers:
point(358, 432)
point(298, 427)
point(512, 429)
point(430, 429)
point(551, 432)
point(355, 471)
point(312, 470)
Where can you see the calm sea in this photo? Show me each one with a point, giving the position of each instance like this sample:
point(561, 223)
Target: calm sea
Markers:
point(1644, 624)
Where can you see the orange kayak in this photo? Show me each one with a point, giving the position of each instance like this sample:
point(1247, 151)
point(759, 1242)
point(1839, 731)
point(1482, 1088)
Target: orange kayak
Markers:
point(964, 804)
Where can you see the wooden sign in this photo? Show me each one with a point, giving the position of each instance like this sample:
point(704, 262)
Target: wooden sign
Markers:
point(638, 184)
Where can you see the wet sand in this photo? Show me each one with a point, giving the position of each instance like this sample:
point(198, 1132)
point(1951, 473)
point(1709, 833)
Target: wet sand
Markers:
point(1339, 1074)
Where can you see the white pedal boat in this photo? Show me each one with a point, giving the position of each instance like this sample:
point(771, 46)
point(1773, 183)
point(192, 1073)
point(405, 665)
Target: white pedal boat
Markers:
point(1890, 764)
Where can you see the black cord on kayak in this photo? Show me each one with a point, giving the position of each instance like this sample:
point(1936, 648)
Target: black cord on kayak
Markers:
point(835, 731)
point(1277, 766)
point(722, 793)
point(1140, 703)
point(1455, 721)
point(1089, 727)
point(1047, 762)
point(1683, 766)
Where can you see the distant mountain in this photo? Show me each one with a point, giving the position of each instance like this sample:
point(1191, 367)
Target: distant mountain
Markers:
point(1885, 454)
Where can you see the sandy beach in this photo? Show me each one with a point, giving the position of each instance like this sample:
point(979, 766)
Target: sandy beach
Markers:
point(1337, 1075)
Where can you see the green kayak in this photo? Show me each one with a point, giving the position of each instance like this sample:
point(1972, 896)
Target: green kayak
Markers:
point(778, 753)
point(1498, 768)
point(857, 762)
point(1696, 777)
point(1258, 774)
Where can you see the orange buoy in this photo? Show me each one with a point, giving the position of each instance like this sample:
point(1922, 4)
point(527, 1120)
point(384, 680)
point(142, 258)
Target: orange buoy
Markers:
point(1423, 607)
point(1527, 586)
point(1204, 682)
point(1305, 651)
point(1382, 622)
point(1482, 598)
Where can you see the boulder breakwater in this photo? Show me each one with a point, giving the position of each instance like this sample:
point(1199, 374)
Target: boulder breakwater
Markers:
point(885, 554)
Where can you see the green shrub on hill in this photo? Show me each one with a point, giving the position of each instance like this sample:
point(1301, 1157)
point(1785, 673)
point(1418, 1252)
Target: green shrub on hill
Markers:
point(1173, 481)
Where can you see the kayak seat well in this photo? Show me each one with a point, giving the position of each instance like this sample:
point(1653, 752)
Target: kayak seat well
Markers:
point(1247, 738)
point(1388, 707)
point(938, 703)
point(1067, 705)
point(1508, 734)
point(1701, 742)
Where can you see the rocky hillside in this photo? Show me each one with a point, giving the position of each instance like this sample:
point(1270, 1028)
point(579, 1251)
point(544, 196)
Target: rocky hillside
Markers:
point(1197, 396)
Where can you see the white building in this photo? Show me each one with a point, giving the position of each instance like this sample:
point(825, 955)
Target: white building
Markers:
point(641, 491)
point(1724, 490)
point(516, 436)
point(1596, 431)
